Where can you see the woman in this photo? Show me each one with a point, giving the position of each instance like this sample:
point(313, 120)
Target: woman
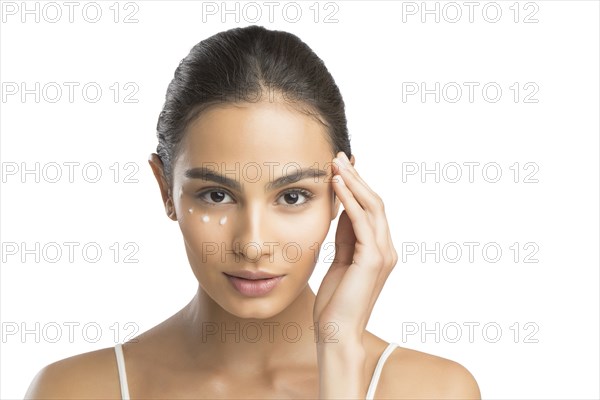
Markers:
point(254, 161)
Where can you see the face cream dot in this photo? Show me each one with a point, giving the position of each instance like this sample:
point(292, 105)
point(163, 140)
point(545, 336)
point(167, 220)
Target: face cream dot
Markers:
point(223, 220)
point(205, 218)
point(191, 210)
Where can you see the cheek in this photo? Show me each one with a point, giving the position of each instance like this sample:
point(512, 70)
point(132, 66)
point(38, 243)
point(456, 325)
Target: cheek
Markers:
point(300, 236)
point(204, 228)
point(309, 225)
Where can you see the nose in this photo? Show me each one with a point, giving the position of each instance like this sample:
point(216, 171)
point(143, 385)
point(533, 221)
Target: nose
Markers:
point(251, 231)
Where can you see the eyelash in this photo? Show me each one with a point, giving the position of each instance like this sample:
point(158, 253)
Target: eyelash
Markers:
point(309, 195)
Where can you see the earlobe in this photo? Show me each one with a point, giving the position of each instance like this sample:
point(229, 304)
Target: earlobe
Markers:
point(170, 209)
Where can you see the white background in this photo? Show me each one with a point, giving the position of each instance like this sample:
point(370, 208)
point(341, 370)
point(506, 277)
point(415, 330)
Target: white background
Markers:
point(371, 52)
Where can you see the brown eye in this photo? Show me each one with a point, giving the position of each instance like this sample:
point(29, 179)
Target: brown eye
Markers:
point(291, 198)
point(296, 197)
point(215, 197)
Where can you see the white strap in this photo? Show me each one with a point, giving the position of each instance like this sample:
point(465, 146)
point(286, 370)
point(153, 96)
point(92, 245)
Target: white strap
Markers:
point(122, 373)
point(373, 386)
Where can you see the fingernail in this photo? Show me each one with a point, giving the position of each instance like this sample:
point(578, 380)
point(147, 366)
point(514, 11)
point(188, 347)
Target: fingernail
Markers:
point(340, 163)
point(345, 159)
point(340, 180)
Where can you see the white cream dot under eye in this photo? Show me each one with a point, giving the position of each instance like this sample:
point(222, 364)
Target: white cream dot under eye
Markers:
point(191, 210)
point(223, 220)
point(205, 218)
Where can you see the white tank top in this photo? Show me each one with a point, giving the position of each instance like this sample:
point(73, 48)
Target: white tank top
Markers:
point(370, 392)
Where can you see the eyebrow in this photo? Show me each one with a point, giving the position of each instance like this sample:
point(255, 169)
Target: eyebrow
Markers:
point(208, 174)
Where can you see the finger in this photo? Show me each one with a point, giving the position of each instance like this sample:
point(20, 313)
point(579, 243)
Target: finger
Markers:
point(370, 201)
point(342, 156)
point(367, 199)
point(377, 218)
point(360, 221)
point(377, 206)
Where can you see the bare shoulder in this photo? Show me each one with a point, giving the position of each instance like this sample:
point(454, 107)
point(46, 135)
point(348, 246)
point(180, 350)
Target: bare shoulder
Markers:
point(413, 374)
point(84, 376)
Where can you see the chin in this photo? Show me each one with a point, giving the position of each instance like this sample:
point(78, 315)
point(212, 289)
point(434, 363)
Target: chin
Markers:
point(252, 309)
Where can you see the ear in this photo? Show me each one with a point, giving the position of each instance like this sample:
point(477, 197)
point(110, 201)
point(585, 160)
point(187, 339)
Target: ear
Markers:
point(336, 203)
point(165, 189)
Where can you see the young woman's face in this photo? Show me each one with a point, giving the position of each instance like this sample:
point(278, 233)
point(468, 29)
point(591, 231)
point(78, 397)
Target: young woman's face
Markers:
point(253, 220)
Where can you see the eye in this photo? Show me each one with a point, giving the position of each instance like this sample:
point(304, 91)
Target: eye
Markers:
point(293, 198)
point(214, 196)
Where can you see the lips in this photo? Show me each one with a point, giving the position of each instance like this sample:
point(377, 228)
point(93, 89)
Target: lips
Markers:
point(253, 284)
point(252, 275)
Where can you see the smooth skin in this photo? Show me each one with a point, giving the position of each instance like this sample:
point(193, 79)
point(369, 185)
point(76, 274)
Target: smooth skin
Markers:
point(181, 358)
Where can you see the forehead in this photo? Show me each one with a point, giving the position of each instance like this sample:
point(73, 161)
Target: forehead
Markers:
point(264, 132)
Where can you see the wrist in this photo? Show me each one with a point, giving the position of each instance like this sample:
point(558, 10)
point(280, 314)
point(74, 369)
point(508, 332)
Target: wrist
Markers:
point(334, 334)
point(345, 350)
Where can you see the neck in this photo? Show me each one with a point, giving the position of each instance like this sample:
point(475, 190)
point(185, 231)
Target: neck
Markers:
point(211, 332)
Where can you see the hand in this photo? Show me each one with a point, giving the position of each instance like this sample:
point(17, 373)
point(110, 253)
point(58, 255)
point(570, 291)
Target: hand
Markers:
point(364, 258)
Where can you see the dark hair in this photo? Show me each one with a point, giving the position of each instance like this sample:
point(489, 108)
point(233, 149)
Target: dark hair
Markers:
point(240, 64)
